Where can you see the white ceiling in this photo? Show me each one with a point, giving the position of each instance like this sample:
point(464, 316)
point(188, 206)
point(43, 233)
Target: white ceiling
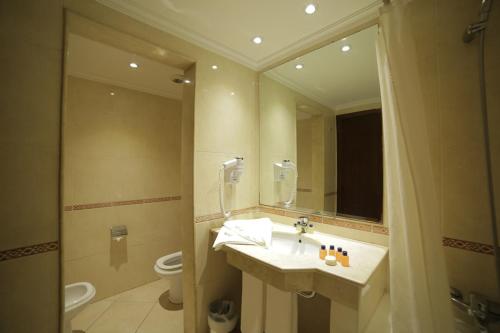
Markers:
point(99, 62)
point(227, 26)
point(333, 78)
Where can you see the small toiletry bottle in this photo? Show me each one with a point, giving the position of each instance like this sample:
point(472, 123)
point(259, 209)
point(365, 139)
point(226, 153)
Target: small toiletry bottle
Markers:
point(338, 254)
point(331, 252)
point(322, 252)
point(345, 259)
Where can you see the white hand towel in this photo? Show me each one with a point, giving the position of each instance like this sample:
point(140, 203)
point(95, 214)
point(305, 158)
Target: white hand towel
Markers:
point(250, 232)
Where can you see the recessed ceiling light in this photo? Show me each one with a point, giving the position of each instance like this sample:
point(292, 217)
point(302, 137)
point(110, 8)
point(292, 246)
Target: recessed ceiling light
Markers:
point(215, 67)
point(310, 9)
point(133, 65)
point(346, 48)
point(112, 93)
point(257, 40)
point(187, 81)
point(299, 66)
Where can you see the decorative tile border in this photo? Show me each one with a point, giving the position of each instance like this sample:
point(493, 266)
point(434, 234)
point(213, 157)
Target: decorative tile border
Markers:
point(469, 246)
point(380, 230)
point(316, 218)
point(217, 216)
point(293, 214)
point(28, 250)
point(354, 225)
point(119, 203)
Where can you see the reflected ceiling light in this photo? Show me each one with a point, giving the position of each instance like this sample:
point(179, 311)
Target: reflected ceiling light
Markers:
point(232, 93)
point(215, 67)
point(344, 38)
point(187, 81)
point(133, 65)
point(112, 93)
point(346, 48)
point(299, 66)
point(310, 9)
point(257, 40)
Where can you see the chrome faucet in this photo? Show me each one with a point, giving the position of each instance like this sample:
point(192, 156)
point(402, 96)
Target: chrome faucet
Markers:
point(483, 311)
point(303, 225)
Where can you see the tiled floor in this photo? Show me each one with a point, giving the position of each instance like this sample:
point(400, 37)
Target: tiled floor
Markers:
point(145, 309)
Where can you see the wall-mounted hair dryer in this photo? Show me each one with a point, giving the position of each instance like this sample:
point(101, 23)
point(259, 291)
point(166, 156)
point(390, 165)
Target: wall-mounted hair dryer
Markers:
point(229, 173)
point(281, 171)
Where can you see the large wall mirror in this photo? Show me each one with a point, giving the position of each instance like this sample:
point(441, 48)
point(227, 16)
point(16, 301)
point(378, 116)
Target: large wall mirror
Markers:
point(321, 131)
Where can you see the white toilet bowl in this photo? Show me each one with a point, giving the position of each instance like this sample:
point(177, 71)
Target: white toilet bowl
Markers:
point(76, 297)
point(170, 267)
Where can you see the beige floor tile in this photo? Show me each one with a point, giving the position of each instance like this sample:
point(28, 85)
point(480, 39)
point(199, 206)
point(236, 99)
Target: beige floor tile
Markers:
point(121, 317)
point(147, 293)
point(160, 320)
point(89, 315)
point(112, 298)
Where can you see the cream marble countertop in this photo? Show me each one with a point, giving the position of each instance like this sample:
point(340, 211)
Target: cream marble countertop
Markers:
point(364, 258)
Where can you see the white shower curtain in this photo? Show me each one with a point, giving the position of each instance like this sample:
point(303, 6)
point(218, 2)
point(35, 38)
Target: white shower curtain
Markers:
point(418, 282)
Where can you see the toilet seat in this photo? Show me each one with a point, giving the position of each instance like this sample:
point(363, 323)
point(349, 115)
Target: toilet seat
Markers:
point(169, 264)
point(77, 294)
point(169, 267)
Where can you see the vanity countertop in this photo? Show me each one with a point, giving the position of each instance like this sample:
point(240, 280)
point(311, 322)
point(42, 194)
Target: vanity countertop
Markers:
point(364, 258)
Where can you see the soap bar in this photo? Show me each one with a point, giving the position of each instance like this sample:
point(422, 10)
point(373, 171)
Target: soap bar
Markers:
point(331, 260)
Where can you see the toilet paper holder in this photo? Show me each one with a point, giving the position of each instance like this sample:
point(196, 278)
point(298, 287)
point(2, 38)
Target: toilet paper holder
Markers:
point(118, 232)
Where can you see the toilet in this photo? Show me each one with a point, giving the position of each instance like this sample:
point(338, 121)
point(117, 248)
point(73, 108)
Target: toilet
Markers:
point(76, 297)
point(170, 267)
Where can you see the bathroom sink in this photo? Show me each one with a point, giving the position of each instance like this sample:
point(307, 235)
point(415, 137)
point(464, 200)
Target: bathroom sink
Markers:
point(294, 244)
point(292, 251)
point(292, 264)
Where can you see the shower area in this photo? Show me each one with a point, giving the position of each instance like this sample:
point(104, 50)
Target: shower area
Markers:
point(448, 87)
point(484, 310)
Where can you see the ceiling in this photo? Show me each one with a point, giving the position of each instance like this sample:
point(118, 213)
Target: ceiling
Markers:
point(336, 79)
point(227, 27)
point(99, 62)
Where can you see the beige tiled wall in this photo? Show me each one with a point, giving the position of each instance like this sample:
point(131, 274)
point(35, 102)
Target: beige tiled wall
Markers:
point(31, 42)
point(120, 147)
point(226, 125)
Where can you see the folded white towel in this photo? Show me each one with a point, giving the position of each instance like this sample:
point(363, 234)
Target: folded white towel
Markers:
point(247, 232)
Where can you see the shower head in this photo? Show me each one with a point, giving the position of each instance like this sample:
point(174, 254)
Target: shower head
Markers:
point(485, 10)
point(180, 79)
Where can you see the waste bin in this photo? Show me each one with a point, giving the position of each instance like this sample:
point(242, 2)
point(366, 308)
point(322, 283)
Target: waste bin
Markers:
point(222, 316)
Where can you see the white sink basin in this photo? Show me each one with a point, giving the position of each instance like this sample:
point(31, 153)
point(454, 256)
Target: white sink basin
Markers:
point(292, 251)
point(294, 244)
point(292, 264)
